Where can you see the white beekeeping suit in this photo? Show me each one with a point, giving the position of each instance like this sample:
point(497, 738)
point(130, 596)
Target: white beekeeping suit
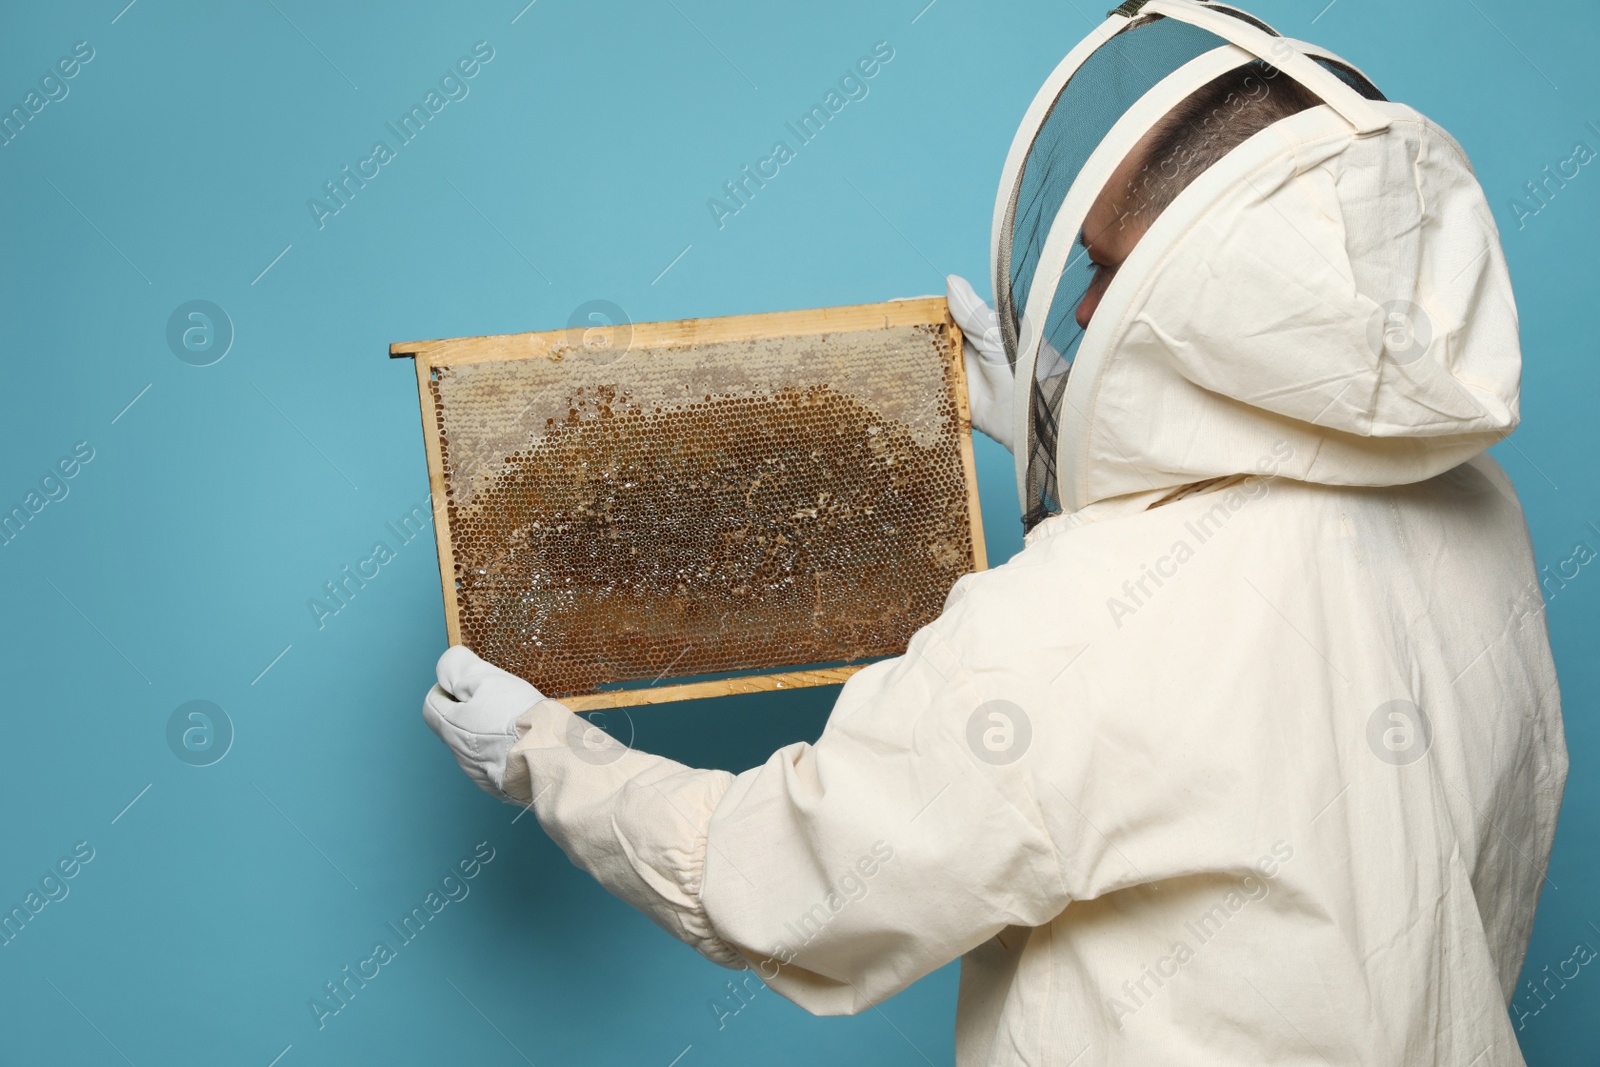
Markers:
point(1253, 754)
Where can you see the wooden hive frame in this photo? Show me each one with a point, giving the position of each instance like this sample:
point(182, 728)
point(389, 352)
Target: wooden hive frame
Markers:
point(429, 355)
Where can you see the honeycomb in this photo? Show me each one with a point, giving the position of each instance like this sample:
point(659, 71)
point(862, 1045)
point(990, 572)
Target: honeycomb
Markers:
point(698, 508)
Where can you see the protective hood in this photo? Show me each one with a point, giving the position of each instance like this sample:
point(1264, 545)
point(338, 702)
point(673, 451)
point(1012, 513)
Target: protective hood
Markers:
point(1334, 283)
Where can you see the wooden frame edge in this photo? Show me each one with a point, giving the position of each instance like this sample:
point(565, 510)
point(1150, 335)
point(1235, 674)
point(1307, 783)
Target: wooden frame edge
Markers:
point(440, 503)
point(667, 694)
point(925, 311)
point(969, 463)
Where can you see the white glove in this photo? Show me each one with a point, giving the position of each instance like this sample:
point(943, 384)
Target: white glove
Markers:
point(990, 379)
point(474, 709)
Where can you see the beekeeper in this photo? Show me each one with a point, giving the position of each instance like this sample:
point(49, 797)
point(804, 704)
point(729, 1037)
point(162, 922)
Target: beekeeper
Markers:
point(1253, 754)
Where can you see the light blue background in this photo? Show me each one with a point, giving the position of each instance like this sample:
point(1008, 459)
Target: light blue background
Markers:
point(181, 563)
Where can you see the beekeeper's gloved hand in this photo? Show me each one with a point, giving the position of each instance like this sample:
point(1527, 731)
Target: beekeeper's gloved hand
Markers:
point(474, 710)
point(989, 374)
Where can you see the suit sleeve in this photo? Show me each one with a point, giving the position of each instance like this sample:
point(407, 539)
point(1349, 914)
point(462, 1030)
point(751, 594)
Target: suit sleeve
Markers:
point(841, 871)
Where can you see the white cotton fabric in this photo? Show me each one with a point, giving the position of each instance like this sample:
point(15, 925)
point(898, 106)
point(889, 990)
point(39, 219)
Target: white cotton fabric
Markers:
point(473, 710)
point(1226, 835)
point(1253, 310)
point(990, 379)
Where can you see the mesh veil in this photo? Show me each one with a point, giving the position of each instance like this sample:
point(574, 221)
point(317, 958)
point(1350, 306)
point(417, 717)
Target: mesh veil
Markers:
point(1109, 81)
